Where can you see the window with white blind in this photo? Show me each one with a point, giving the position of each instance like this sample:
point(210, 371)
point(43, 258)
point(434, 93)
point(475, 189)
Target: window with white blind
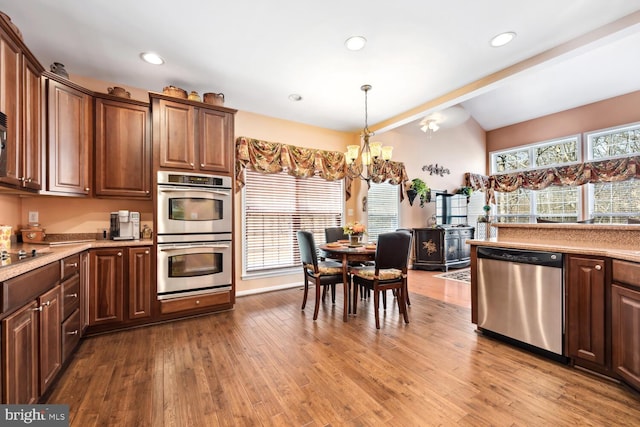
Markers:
point(382, 209)
point(276, 206)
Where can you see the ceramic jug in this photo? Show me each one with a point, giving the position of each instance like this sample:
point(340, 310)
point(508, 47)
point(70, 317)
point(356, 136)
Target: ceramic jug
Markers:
point(59, 69)
point(213, 98)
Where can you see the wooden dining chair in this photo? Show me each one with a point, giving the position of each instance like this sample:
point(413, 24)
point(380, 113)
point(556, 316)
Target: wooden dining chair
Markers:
point(389, 272)
point(333, 234)
point(321, 274)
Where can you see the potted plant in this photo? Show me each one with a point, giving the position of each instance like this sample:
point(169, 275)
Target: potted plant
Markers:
point(418, 188)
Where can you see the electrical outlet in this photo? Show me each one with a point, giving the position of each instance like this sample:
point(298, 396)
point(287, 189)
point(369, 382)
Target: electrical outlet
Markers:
point(33, 216)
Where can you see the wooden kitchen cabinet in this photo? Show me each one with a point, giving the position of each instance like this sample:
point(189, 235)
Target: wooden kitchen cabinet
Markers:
point(586, 312)
point(31, 354)
point(71, 291)
point(120, 292)
point(625, 321)
point(21, 101)
point(191, 135)
point(70, 136)
point(122, 148)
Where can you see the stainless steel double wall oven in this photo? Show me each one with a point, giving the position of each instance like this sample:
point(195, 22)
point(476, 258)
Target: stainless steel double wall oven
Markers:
point(194, 234)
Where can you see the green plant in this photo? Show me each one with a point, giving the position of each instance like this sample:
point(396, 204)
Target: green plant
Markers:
point(419, 188)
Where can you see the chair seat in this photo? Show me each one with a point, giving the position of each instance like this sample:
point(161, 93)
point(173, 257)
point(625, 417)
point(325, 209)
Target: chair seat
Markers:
point(326, 268)
point(368, 273)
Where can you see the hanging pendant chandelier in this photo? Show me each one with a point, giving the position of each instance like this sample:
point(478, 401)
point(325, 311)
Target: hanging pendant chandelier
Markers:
point(364, 162)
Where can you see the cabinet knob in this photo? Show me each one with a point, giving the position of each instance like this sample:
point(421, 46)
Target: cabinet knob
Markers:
point(598, 267)
point(146, 252)
point(29, 180)
point(86, 189)
point(74, 265)
point(201, 165)
point(191, 164)
point(147, 192)
point(119, 253)
point(73, 332)
point(74, 295)
point(21, 179)
point(47, 304)
point(39, 308)
point(197, 302)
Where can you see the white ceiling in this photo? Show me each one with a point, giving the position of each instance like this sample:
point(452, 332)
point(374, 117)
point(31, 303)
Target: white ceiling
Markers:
point(259, 52)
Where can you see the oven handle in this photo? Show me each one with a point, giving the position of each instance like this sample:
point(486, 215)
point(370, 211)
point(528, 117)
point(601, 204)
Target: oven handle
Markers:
point(196, 190)
point(179, 248)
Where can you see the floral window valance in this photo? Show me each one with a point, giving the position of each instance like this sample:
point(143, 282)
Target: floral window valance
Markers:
point(612, 170)
point(274, 157)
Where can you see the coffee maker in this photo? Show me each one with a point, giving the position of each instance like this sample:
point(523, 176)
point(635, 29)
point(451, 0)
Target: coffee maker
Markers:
point(125, 225)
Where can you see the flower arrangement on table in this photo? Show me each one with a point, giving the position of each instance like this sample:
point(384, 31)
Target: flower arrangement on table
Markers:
point(354, 228)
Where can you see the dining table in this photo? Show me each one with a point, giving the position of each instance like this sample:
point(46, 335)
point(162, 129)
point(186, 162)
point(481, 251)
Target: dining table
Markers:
point(344, 251)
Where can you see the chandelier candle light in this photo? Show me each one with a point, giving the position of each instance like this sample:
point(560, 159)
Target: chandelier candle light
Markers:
point(371, 159)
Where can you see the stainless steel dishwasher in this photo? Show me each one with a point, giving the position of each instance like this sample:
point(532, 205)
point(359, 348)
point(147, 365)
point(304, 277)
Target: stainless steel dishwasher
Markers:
point(521, 298)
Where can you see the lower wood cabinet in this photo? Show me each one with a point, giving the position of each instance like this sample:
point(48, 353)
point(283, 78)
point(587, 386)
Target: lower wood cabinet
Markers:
point(31, 350)
point(586, 312)
point(120, 286)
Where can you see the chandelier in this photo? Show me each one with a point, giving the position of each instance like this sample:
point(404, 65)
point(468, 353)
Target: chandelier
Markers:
point(366, 162)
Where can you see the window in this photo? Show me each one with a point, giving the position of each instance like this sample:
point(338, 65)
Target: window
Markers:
point(553, 203)
point(276, 206)
point(614, 202)
point(382, 209)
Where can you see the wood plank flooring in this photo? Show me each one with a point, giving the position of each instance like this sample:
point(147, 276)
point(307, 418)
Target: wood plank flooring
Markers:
point(267, 363)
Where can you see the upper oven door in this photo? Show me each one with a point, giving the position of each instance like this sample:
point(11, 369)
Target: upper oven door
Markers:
point(193, 210)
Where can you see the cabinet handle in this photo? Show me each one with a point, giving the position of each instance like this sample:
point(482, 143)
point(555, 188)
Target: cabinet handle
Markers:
point(598, 267)
point(39, 308)
point(119, 253)
point(74, 265)
point(73, 332)
point(74, 295)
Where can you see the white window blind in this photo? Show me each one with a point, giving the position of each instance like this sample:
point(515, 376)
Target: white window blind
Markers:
point(276, 206)
point(382, 209)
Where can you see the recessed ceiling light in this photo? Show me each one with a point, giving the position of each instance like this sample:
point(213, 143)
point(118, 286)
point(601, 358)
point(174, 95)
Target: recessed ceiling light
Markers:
point(355, 42)
point(152, 58)
point(295, 97)
point(502, 39)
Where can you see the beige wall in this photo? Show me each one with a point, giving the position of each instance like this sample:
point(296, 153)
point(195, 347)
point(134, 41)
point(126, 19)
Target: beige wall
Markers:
point(599, 115)
point(10, 211)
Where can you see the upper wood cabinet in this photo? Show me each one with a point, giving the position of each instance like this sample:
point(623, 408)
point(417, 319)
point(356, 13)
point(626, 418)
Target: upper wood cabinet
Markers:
point(70, 136)
point(123, 148)
point(191, 135)
point(21, 101)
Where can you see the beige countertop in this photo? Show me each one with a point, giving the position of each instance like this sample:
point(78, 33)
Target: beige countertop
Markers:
point(56, 252)
point(614, 241)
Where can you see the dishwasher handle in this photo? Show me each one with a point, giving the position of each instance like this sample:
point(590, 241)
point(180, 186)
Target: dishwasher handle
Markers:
point(546, 259)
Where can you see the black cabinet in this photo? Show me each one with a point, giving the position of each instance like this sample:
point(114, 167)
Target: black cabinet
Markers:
point(442, 247)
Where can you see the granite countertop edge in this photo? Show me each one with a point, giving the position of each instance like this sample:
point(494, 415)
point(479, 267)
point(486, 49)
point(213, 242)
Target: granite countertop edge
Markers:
point(57, 252)
point(632, 255)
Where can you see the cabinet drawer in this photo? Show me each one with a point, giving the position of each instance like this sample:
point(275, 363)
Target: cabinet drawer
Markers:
point(192, 303)
point(70, 334)
point(626, 272)
point(69, 266)
point(70, 295)
point(19, 290)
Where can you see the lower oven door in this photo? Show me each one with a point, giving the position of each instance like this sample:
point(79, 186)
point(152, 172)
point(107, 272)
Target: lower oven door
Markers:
point(186, 269)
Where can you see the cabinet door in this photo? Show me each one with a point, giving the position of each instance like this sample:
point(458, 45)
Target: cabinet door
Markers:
point(20, 354)
point(50, 350)
point(32, 140)
point(176, 136)
point(215, 141)
point(452, 245)
point(139, 283)
point(10, 96)
point(625, 326)
point(123, 150)
point(69, 139)
point(106, 303)
point(586, 300)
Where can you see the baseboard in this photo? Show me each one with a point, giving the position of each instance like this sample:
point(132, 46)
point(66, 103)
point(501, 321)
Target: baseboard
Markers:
point(270, 289)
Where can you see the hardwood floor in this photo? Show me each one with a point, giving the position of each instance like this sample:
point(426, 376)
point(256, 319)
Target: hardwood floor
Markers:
point(268, 363)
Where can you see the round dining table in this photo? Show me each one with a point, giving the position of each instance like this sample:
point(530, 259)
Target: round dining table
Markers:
point(347, 253)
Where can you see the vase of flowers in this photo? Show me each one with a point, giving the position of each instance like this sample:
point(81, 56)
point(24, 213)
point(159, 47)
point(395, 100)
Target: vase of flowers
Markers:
point(355, 231)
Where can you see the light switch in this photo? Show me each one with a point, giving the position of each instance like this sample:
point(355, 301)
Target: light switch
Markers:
point(349, 212)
